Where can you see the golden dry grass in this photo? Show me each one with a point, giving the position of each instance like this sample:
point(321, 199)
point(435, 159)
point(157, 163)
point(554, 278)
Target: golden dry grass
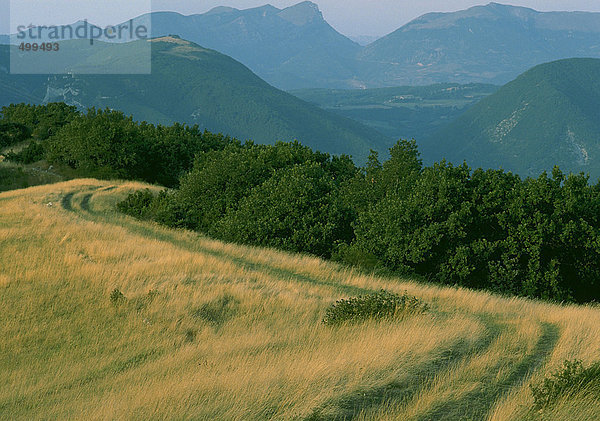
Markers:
point(234, 333)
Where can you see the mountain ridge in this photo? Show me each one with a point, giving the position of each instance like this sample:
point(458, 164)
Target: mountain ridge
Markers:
point(295, 48)
point(289, 48)
point(481, 44)
point(195, 85)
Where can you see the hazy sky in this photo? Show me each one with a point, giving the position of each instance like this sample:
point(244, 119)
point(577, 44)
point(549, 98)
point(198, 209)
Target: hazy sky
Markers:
point(350, 17)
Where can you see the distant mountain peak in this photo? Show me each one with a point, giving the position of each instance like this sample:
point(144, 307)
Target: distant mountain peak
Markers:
point(302, 13)
point(267, 9)
point(219, 10)
point(510, 9)
point(496, 5)
point(305, 5)
point(172, 39)
point(493, 4)
point(491, 10)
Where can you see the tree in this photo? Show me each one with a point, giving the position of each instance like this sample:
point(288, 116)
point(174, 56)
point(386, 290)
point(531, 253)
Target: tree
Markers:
point(103, 144)
point(297, 210)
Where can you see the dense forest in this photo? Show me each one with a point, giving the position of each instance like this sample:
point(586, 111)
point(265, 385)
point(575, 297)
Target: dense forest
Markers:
point(491, 229)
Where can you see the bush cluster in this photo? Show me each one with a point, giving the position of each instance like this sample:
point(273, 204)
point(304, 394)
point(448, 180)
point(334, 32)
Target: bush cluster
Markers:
point(283, 195)
point(34, 152)
point(491, 229)
point(570, 379)
point(376, 306)
point(12, 133)
point(104, 143)
point(107, 144)
point(19, 122)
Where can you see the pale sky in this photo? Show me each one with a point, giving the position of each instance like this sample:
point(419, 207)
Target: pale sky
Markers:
point(350, 17)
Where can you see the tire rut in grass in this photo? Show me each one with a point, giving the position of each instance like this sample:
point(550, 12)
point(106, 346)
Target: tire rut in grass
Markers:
point(66, 202)
point(85, 202)
point(477, 404)
point(172, 239)
point(348, 407)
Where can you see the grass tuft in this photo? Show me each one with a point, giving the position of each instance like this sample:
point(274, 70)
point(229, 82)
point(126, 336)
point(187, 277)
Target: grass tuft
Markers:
point(219, 311)
point(117, 297)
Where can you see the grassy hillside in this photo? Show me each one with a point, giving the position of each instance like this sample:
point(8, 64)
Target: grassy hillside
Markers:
point(548, 116)
point(208, 330)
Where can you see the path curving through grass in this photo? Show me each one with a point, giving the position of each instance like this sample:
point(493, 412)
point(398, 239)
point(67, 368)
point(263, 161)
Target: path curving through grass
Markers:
point(68, 351)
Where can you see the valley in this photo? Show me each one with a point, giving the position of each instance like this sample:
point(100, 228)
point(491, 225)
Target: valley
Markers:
point(409, 112)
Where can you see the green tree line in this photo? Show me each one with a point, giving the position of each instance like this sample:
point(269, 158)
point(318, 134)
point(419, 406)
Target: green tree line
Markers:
point(490, 229)
point(103, 143)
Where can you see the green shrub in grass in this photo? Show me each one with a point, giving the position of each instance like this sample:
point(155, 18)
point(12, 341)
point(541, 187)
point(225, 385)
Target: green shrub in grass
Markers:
point(570, 379)
point(379, 305)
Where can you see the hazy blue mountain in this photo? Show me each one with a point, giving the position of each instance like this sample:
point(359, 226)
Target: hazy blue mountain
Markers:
point(290, 48)
point(295, 48)
point(548, 116)
point(493, 43)
point(404, 112)
point(19, 88)
point(194, 85)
